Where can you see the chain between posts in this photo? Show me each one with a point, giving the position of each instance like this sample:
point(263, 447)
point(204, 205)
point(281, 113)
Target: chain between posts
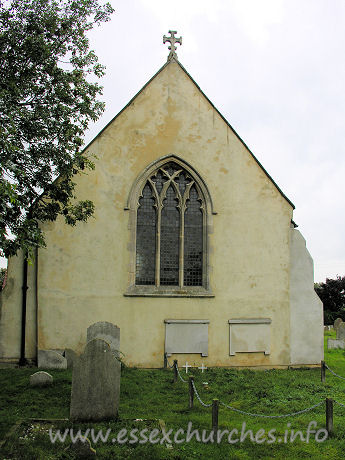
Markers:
point(337, 402)
point(308, 409)
point(178, 373)
point(255, 415)
point(332, 372)
point(272, 416)
point(166, 358)
point(198, 397)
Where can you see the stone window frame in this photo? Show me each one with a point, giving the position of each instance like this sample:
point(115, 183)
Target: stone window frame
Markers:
point(134, 290)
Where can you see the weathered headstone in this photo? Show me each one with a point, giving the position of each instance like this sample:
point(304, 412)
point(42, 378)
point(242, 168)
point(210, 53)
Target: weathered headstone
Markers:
point(70, 356)
point(50, 359)
point(337, 322)
point(81, 449)
point(341, 331)
point(107, 332)
point(41, 379)
point(95, 383)
point(333, 344)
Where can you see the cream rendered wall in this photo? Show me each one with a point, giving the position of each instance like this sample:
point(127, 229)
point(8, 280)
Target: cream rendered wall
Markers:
point(306, 310)
point(11, 312)
point(83, 272)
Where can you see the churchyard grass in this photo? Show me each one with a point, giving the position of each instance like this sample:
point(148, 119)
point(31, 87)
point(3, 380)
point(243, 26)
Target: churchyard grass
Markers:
point(151, 395)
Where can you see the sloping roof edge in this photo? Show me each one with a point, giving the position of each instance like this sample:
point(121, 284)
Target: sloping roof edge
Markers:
point(215, 108)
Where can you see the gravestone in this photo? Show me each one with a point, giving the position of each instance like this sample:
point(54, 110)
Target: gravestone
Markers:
point(333, 344)
point(341, 331)
point(107, 332)
point(82, 449)
point(95, 383)
point(41, 379)
point(51, 359)
point(70, 356)
point(337, 322)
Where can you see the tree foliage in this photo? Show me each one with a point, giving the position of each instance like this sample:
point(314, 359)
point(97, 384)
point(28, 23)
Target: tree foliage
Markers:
point(332, 295)
point(47, 99)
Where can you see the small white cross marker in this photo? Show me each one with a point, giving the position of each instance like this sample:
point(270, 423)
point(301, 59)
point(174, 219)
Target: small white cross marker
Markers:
point(202, 367)
point(186, 366)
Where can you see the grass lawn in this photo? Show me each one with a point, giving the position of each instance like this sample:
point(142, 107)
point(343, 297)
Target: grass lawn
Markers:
point(150, 395)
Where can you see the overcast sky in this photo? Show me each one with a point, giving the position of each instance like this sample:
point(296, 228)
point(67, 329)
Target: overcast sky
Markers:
point(275, 69)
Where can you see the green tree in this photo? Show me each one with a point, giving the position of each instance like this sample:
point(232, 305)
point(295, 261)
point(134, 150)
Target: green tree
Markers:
point(332, 295)
point(48, 96)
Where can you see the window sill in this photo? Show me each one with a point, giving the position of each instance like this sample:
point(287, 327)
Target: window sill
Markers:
point(167, 291)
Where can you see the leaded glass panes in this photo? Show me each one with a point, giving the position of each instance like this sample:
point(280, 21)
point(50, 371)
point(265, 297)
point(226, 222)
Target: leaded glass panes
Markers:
point(193, 240)
point(170, 229)
point(146, 238)
point(170, 168)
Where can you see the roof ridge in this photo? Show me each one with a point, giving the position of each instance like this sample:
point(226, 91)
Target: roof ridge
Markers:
point(175, 60)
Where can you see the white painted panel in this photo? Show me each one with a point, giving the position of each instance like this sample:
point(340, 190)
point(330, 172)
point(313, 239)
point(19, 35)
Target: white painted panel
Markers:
point(186, 336)
point(250, 335)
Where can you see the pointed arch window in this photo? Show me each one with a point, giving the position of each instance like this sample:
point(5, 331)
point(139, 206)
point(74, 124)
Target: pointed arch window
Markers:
point(170, 233)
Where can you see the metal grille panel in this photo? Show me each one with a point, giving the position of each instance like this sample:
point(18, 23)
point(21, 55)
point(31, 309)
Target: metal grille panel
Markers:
point(168, 192)
point(170, 228)
point(171, 168)
point(146, 239)
point(193, 240)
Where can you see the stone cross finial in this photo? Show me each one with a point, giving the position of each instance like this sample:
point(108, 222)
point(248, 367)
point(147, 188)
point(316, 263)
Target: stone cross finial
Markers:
point(172, 40)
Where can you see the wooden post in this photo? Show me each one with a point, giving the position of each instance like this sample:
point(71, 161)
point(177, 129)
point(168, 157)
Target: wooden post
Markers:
point(165, 361)
point(175, 371)
point(191, 391)
point(329, 415)
point(215, 406)
point(323, 371)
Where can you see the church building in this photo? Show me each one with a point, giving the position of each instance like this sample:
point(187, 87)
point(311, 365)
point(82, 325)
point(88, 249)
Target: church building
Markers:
point(192, 251)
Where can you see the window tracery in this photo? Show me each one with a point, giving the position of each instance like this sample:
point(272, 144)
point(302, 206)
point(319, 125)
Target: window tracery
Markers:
point(170, 229)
